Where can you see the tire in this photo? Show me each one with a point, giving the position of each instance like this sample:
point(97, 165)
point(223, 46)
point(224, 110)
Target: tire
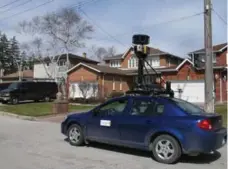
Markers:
point(14, 100)
point(77, 130)
point(47, 99)
point(166, 149)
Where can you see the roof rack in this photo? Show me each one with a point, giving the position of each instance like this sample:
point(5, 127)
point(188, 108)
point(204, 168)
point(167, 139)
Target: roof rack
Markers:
point(152, 90)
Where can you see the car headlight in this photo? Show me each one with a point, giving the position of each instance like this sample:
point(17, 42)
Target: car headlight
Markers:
point(6, 94)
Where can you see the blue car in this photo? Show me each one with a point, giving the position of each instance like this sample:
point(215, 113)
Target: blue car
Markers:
point(167, 127)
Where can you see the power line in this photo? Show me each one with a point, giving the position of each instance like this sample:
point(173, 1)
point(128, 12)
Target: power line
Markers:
point(221, 18)
point(16, 6)
point(9, 4)
point(93, 22)
point(165, 22)
point(30, 9)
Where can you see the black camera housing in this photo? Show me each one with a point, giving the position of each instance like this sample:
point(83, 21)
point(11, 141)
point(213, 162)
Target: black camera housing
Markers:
point(140, 39)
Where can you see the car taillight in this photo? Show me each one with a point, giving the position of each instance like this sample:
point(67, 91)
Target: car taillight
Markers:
point(204, 124)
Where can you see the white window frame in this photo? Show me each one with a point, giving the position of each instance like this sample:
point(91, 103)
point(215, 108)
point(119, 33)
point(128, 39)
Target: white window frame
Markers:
point(133, 62)
point(202, 55)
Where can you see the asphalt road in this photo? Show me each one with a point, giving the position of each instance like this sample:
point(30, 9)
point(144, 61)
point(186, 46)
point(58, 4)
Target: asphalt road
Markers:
point(39, 145)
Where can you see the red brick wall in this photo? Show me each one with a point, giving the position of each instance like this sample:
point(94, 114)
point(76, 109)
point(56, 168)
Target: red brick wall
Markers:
point(82, 73)
point(183, 73)
point(85, 74)
point(124, 63)
point(221, 58)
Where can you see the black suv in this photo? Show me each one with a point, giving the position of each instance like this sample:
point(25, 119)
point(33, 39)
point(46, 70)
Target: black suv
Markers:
point(26, 90)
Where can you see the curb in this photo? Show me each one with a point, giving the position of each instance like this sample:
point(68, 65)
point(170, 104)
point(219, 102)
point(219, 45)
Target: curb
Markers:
point(18, 116)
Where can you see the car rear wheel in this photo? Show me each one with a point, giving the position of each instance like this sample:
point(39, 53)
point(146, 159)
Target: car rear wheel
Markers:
point(14, 100)
point(47, 99)
point(166, 149)
point(75, 135)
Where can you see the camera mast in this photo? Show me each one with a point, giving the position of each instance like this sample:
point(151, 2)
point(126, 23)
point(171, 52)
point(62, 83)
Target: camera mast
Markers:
point(140, 43)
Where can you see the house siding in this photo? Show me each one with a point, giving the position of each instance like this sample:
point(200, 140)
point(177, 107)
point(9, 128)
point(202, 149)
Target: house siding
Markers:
point(83, 74)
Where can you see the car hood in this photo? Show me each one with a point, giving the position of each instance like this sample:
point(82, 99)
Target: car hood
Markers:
point(77, 114)
point(6, 91)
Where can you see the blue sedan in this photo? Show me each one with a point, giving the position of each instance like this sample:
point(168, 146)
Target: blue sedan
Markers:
point(167, 127)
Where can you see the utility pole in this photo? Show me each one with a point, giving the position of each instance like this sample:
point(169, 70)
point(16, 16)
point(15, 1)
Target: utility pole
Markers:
point(209, 75)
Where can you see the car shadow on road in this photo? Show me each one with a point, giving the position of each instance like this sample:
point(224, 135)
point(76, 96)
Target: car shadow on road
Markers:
point(200, 159)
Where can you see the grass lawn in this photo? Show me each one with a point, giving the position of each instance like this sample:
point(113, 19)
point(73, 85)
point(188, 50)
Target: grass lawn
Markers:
point(222, 109)
point(41, 109)
point(38, 109)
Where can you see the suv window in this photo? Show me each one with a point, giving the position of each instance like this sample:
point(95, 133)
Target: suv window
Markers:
point(146, 107)
point(113, 108)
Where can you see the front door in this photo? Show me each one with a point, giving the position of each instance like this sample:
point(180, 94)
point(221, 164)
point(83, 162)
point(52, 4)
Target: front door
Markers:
point(103, 124)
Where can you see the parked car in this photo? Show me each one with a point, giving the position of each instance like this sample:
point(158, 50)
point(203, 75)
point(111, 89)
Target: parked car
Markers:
point(4, 85)
point(165, 126)
point(29, 90)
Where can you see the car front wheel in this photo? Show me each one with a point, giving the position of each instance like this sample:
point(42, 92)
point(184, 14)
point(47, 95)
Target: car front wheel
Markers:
point(75, 135)
point(166, 149)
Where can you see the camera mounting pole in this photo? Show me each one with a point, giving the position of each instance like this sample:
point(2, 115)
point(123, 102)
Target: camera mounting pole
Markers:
point(140, 43)
point(140, 49)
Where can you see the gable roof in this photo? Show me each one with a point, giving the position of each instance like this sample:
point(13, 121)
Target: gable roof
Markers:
point(71, 56)
point(216, 48)
point(99, 68)
point(152, 51)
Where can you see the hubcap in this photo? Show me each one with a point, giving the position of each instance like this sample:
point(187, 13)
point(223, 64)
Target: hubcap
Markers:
point(164, 149)
point(47, 99)
point(74, 135)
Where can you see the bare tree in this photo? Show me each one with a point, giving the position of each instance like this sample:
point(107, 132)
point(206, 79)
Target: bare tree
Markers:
point(84, 87)
point(64, 27)
point(100, 52)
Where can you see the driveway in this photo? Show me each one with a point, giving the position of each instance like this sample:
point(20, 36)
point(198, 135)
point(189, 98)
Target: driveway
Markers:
point(39, 145)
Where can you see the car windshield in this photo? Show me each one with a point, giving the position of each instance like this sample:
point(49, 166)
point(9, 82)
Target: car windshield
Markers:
point(188, 107)
point(13, 86)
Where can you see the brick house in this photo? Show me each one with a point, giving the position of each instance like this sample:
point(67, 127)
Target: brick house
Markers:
point(120, 72)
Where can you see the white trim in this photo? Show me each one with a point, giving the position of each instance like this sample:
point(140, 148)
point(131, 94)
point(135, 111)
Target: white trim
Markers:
point(124, 55)
point(113, 83)
point(121, 87)
point(182, 63)
point(82, 64)
point(223, 48)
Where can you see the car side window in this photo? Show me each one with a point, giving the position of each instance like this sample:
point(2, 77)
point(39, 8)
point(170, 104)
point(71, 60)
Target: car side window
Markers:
point(146, 107)
point(113, 108)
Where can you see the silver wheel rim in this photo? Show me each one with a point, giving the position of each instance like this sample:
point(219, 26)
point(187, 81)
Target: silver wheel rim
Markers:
point(74, 135)
point(47, 99)
point(14, 101)
point(164, 149)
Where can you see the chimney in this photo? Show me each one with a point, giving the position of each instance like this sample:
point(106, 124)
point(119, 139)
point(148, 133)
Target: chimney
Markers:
point(84, 54)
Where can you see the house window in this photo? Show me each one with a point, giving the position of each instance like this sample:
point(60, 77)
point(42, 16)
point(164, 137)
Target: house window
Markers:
point(120, 83)
point(153, 61)
point(115, 63)
point(113, 84)
point(202, 57)
point(133, 62)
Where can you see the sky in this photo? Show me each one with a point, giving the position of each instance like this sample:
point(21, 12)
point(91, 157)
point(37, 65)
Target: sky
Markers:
point(116, 21)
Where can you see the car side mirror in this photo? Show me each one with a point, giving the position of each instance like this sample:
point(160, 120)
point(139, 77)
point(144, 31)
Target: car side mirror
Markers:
point(95, 112)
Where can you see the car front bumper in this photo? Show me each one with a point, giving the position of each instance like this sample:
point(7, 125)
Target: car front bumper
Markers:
point(4, 98)
point(206, 141)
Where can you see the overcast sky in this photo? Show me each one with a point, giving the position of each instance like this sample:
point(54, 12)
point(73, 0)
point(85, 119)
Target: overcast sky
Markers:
point(123, 18)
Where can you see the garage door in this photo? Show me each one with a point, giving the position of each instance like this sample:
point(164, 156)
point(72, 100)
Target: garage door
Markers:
point(193, 91)
point(75, 91)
